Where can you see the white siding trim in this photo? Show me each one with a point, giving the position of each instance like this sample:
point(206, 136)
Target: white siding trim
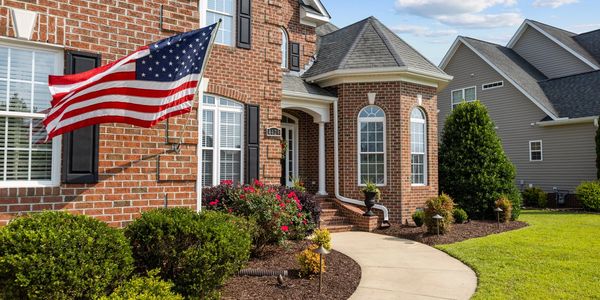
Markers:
point(541, 151)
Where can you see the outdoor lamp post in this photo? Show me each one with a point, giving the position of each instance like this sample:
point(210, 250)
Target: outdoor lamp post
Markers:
point(498, 210)
point(437, 219)
point(321, 251)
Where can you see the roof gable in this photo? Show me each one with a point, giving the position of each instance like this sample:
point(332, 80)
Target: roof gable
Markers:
point(591, 42)
point(585, 102)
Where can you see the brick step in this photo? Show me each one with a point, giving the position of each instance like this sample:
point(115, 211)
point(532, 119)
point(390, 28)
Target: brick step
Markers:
point(327, 205)
point(329, 212)
point(339, 228)
point(334, 220)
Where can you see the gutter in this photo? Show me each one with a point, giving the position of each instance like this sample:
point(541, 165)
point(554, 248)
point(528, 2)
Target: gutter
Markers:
point(385, 222)
point(567, 121)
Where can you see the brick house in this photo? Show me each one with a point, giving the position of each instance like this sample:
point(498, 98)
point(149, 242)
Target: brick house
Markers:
point(279, 74)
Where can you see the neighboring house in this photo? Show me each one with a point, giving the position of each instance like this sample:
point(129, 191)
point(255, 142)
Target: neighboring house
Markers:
point(542, 91)
point(279, 74)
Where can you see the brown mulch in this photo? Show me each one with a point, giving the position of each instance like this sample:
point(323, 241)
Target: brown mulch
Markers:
point(339, 281)
point(459, 232)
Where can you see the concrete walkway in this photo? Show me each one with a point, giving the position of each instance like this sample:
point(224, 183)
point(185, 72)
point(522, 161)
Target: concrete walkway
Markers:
point(394, 268)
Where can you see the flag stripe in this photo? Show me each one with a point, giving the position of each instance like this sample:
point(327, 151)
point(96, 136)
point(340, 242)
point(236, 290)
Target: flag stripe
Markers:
point(119, 76)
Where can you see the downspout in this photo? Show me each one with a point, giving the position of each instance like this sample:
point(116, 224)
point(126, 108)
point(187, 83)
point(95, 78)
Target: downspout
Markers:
point(336, 176)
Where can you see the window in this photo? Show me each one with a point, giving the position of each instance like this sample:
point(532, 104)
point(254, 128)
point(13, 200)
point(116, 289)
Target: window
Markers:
point(371, 145)
point(284, 48)
point(213, 10)
point(535, 151)
point(222, 140)
point(418, 147)
point(493, 85)
point(25, 158)
point(466, 94)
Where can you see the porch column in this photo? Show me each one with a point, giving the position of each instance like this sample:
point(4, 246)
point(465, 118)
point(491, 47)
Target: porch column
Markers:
point(322, 166)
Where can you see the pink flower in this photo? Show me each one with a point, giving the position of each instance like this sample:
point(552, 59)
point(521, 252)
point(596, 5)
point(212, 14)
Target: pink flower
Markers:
point(227, 182)
point(304, 221)
point(278, 197)
point(230, 210)
point(284, 228)
point(282, 204)
point(213, 203)
point(291, 195)
point(258, 183)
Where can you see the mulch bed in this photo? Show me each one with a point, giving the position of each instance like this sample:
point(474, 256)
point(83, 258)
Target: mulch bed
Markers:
point(339, 281)
point(459, 232)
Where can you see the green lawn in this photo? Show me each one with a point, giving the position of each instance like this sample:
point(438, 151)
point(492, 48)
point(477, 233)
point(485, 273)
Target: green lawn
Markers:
point(556, 257)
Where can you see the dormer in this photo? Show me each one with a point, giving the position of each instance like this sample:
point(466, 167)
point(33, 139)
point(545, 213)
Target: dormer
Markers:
point(313, 13)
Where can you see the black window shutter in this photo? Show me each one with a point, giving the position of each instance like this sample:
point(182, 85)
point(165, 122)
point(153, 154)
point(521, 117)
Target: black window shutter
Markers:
point(80, 147)
point(244, 24)
point(253, 143)
point(294, 56)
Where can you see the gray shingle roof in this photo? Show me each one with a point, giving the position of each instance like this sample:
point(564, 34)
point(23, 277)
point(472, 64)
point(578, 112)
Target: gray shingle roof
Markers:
point(326, 29)
point(575, 96)
point(366, 44)
point(296, 84)
point(591, 42)
point(567, 38)
point(515, 67)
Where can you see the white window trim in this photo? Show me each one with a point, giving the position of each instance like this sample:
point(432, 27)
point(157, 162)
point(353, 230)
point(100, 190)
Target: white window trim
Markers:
point(463, 96)
point(57, 141)
point(295, 129)
point(483, 88)
point(541, 151)
point(285, 41)
point(217, 108)
point(358, 152)
point(425, 156)
point(203, 6)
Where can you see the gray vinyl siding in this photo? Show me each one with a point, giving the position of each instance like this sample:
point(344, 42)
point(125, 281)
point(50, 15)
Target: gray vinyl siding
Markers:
point(568, 151)
point(547, 56)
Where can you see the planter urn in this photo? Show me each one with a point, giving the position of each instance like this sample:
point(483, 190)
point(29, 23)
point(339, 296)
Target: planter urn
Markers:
point(369, 203)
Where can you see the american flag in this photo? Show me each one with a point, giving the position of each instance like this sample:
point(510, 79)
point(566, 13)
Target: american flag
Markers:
point(150, 85)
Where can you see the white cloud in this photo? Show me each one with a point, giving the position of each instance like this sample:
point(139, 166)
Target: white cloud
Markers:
point(462, 13)
point(422, 31)
point(553, 3)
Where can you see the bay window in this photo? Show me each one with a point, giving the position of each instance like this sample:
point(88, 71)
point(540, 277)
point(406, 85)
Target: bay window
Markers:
point(222, 140)
point(418, 147)
point(371, 146)
point(26, 159)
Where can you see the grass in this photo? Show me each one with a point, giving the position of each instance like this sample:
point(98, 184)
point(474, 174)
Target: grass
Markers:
point(557, 257)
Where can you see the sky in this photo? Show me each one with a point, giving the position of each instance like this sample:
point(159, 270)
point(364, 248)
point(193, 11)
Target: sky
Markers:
point(431, 26)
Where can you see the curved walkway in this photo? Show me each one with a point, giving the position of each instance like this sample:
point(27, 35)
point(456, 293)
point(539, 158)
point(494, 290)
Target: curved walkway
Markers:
point(394, 268)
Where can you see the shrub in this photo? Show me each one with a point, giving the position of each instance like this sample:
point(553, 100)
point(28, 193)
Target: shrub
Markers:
point(144, 288)
point(504, 204)
point(309, 261)
point(535, 196)
point(56, 255)
point(418, 217)
point(460, 216)
point(443, 206)
point(473, 168)
point(307, 200)
point(197, 252)
point(321, 237)
point(589, 195)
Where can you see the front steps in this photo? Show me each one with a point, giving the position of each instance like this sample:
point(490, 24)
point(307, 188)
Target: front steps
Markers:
point(341, 217)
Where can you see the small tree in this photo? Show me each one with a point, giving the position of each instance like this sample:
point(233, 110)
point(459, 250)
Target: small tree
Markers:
point(473, 168)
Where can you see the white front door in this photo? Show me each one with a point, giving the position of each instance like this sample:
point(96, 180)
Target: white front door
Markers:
point(289, 161)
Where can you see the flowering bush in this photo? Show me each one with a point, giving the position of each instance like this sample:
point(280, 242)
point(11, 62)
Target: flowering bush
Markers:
point(278, 216)
point(309, 261)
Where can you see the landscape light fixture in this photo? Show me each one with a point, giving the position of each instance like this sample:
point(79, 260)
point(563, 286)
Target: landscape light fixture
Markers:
point(321, 251)
point(437, 219)
point(498, 210)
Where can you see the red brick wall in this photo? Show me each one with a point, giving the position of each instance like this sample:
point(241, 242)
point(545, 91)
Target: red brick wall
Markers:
point(397, 99)
point(128, 182)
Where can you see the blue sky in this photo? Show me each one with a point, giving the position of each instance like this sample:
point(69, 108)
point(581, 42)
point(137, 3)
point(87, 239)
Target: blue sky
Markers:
point(432, 25)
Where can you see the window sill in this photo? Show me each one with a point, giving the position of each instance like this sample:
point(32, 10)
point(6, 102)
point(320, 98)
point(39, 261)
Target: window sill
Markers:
point(28, 184)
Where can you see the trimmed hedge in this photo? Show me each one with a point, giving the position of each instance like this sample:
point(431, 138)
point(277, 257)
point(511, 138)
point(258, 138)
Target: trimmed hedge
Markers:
point(149, 287)
point(535, 196)
point(197, 252)
point(418, 217)
point(460, 216)
point(56, 255)
point(589, 195)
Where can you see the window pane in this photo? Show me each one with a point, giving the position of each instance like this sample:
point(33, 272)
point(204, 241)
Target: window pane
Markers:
point(17, 165)
point(231, 130)
point(38, 136)
point(208, 131)
point(18, 133)
point(417, 114)
point(208, 100)
point(535, 146)
point(3, 62)
point(19, 97)
point(44, 66)
point(41, 165)
point(41, 99)
point(457, 97)
point(470, 94)
point(536, 156)
point(3, 95)
point(371, 112)
point(207, 168)
point(230, 165)
point(21, 62)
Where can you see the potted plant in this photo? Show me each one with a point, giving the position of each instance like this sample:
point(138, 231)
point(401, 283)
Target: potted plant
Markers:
point(371, 192)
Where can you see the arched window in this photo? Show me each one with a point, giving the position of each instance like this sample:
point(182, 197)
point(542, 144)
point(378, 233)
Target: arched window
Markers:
point(222, 140)
point(371, 146)
point(418, 147)
point(284, 48)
